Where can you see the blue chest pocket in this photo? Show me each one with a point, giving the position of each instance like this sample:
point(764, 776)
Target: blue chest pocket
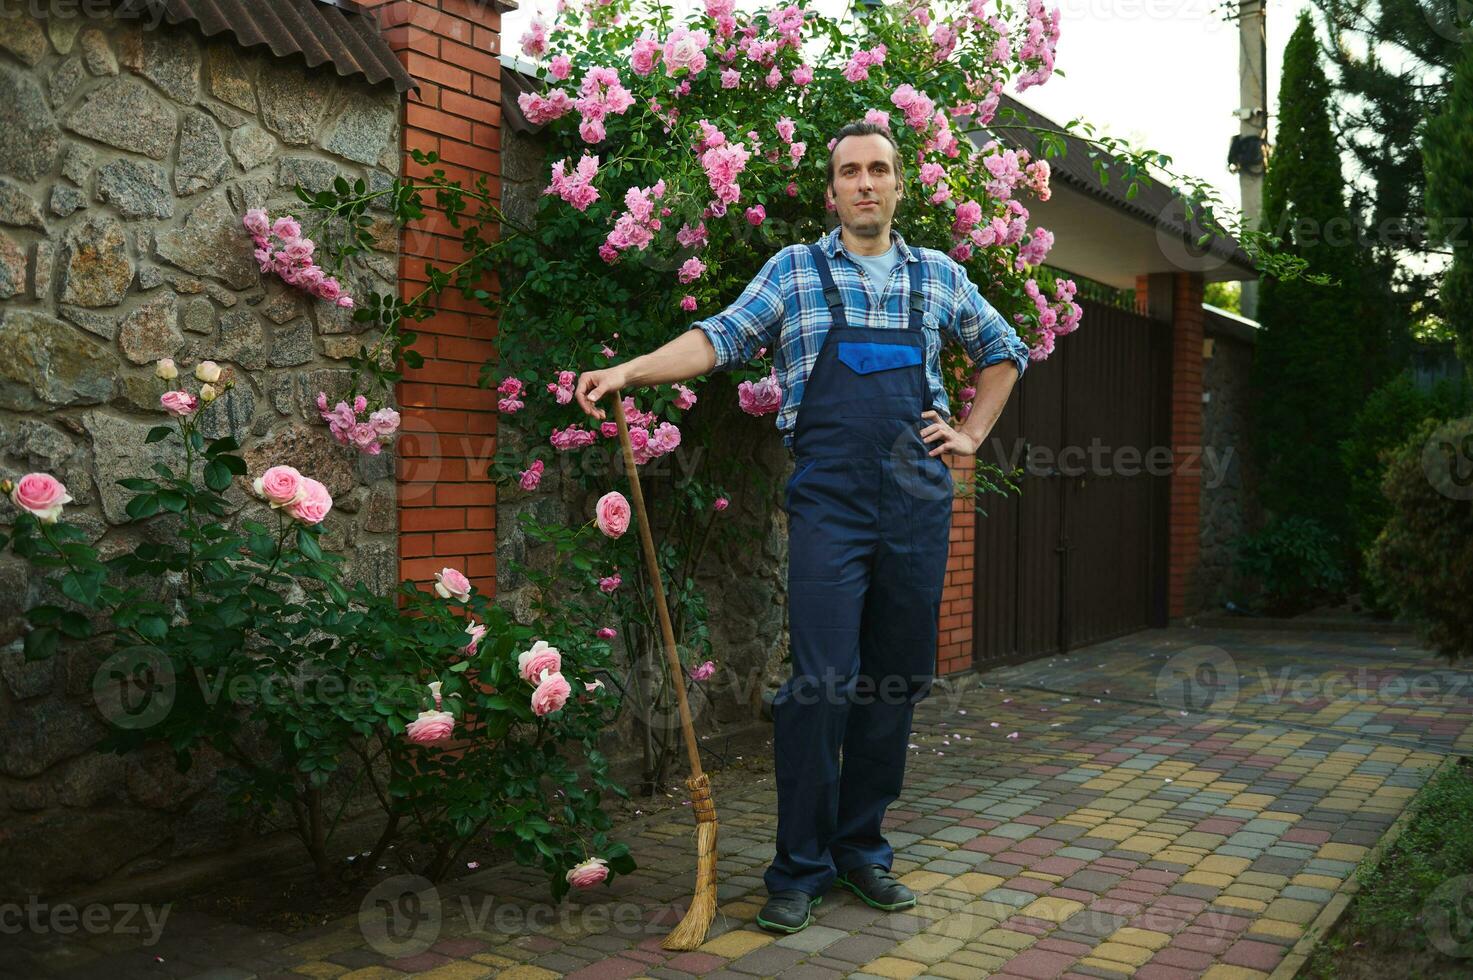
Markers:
point(866, 358)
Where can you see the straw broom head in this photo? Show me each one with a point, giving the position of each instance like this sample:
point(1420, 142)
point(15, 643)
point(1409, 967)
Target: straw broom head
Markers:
point(691, 932)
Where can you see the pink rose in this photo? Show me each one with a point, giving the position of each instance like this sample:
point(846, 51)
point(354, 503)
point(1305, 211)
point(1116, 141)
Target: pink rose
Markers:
point(280, 485)
point(612, 514)
point(430, 726)
point(551, 694)
point(531, 663)
point(609, 583)
point(588, 874)
point(207, 371)
point(704, 672)
point(314, 503)
point(257, 223)
point(452, 582)
point(42, 495)
point(593, 685)
point(179, 403)
point(721, 503)
point(477, 631)
point(606, 633)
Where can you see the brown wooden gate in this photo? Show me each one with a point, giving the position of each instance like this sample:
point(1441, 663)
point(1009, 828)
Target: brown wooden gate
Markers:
point(1080, 555)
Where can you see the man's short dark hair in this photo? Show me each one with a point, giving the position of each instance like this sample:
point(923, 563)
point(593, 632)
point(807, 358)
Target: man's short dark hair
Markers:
point(867, 129)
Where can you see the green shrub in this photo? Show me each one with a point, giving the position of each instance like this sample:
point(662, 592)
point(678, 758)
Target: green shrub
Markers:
point(1423, 557)
point(1390, 415)
point(1294, 562)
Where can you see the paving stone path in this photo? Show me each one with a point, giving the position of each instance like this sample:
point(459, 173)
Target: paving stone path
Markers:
point(1175, 803)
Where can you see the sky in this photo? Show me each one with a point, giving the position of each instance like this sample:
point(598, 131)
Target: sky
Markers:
point(1158, 74)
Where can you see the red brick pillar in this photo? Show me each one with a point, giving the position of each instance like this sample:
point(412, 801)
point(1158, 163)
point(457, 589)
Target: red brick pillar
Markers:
point(447, 504)
point(1177, 298)
point(954, 641)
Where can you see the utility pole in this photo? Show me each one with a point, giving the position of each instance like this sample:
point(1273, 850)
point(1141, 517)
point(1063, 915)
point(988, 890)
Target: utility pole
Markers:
point(1248, 155)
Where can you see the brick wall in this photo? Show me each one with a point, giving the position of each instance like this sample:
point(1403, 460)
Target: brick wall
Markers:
point(954, 641)
point(447, 505)
point(1177, 298)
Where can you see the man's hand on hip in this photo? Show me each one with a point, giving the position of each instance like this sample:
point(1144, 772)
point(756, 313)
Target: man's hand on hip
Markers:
point(946, 439)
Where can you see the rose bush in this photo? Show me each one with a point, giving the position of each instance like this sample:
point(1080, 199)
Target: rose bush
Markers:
point(229, 634)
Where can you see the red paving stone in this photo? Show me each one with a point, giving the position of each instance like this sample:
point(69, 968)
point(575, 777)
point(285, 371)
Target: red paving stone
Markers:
point(1254, 955)
point(1039, 964)
point(1185, 958)
point(697, 963)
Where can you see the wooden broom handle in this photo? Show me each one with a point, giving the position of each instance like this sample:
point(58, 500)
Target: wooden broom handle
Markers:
point(652, 563)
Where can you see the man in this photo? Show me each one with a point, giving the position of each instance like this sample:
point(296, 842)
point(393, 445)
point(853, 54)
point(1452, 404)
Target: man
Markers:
point(855, 322)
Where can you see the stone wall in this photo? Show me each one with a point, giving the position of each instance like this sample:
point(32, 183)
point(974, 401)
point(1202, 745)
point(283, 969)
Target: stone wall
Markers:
point(1229, 486)
point(127, 157)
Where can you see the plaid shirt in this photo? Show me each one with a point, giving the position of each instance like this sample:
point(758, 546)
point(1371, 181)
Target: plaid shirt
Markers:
point(786, 301)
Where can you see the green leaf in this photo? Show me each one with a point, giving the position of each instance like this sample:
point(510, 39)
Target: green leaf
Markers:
point(217, 476)
point(153, 627)
point(41, 643)
point(159, 432)
point(141, 507)
point(307, 544)
point(137, 485)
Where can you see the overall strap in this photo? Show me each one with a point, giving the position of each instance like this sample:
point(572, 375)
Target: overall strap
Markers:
point(830, 291)
point(917, 295)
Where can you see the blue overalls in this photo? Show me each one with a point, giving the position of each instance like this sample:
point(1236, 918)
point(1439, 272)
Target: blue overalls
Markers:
point(869, 516)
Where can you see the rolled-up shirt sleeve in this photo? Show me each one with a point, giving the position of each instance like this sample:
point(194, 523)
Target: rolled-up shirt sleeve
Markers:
point(986, 336)
point(751, 321)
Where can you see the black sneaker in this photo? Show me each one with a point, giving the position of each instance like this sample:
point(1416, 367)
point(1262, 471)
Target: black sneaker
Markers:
point(788, 910)
point(878, 887)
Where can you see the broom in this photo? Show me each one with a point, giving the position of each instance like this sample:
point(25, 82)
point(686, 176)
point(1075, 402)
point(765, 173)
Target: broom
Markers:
point(691, 931)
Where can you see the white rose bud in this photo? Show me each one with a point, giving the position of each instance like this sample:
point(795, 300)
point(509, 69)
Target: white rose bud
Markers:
point(166, 369)
point(207, 371)
point(208, 394)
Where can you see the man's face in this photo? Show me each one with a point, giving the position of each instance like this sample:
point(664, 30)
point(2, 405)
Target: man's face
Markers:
point(866, 187)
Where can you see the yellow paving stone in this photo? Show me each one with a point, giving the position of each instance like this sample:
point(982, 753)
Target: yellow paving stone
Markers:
point(527, 972)
point(1112, 831)
point(458, 970)
point(1180, 855)
point(1144, 843)
point(1237, 902)
point(1121, 953)
point(975, 883)
point(1341, 852)
point(1224, 864)
point(491, 959)
point(1054, 910)
point(990, 962)
point(333, 942)
point(1279, 816)
point(1245, 890)
point(924, 881)
point(1100, 963)
point(928, 948)
point(1131, 936)
point(320, 969)
point(372, 973)
point(954, 971)
point(1222, 971)
point(1040, 876)
point(739, 942)
point(1280, 930)
point(1291, 910)
point(1007, 939)
point(1315, 881)
point(1212, 879)
point(745, 911)
point(1251, 801)
point(894, 967)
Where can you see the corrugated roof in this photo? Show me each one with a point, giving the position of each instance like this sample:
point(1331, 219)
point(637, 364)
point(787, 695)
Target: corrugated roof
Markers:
point(1155, 204)
point(324, 32)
